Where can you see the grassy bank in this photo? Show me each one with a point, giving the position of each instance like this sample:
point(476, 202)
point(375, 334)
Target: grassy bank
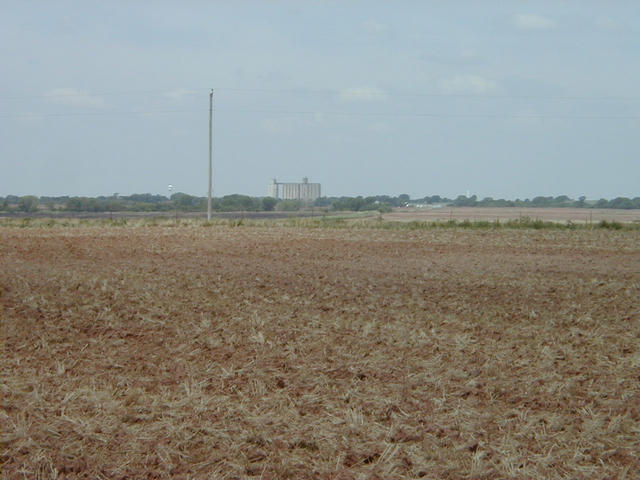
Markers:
point(345, 222)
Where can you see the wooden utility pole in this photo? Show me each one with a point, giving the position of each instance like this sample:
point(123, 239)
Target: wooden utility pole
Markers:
point(210, 149)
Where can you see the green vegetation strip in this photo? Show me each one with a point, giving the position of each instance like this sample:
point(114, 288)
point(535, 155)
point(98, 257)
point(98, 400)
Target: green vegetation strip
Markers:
point(345, 222)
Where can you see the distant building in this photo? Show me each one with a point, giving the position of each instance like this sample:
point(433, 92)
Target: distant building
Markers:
point(305, 191)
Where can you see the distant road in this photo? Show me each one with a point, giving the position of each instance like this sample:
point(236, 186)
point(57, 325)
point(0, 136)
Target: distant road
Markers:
point(576, 215)
point(169, 214)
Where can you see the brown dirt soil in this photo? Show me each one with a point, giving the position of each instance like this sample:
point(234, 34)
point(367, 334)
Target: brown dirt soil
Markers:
point(219, 352)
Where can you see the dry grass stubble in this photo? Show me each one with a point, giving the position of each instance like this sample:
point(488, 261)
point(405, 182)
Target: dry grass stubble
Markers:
point(294, 353)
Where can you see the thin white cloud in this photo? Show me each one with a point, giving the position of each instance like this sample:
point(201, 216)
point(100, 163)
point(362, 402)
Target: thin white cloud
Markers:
point(379, 127)
point(362, 94)
point(75, 98)
point(373, 26)
point(286, 125)
point(319, 118)
point(276, 125)
point(532, 21)
point(467, 84)
point(457, 57)
point(178, 94)
point(606, 23)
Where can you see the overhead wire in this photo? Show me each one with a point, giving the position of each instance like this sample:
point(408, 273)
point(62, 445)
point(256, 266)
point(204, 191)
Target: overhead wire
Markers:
point(328, 91)
point(390, 94)
point(320, 112)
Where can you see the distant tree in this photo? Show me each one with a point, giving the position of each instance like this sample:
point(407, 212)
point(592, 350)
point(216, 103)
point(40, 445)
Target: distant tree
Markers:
point(74, 204)
point(464, 201)
point(184, 201)
point(404, 198)
point(28, 203)
point(92, 205)
point(355, 204)
point(460, 201)
point(288, 205)
point(114, 205)
point(322, 202)
point(622, 202)
point(237, 202)
point(145, 197)
point(269, 204)
point(541, 201)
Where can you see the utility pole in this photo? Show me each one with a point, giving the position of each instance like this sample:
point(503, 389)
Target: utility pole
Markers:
point(210, 147)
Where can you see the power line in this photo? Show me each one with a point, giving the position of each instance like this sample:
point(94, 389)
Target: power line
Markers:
point(81, 93)
point(100, 114)
point(393, 93)
point(328, 113)
point(427, 114)
point(311, 91)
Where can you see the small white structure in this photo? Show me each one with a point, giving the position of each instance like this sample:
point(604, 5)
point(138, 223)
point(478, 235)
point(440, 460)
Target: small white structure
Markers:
point(305, 191)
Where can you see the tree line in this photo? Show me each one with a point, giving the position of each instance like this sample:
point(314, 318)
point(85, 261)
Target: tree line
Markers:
point(147, 202)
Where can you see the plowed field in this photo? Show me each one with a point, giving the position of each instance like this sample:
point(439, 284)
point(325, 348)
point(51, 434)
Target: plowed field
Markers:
point(257, 352)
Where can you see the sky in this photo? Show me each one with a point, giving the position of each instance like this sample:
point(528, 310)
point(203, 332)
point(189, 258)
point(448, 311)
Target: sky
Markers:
point(498, 99)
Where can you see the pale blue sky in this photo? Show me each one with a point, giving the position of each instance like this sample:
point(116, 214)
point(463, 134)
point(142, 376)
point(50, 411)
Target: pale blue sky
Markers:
point(502, 99)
